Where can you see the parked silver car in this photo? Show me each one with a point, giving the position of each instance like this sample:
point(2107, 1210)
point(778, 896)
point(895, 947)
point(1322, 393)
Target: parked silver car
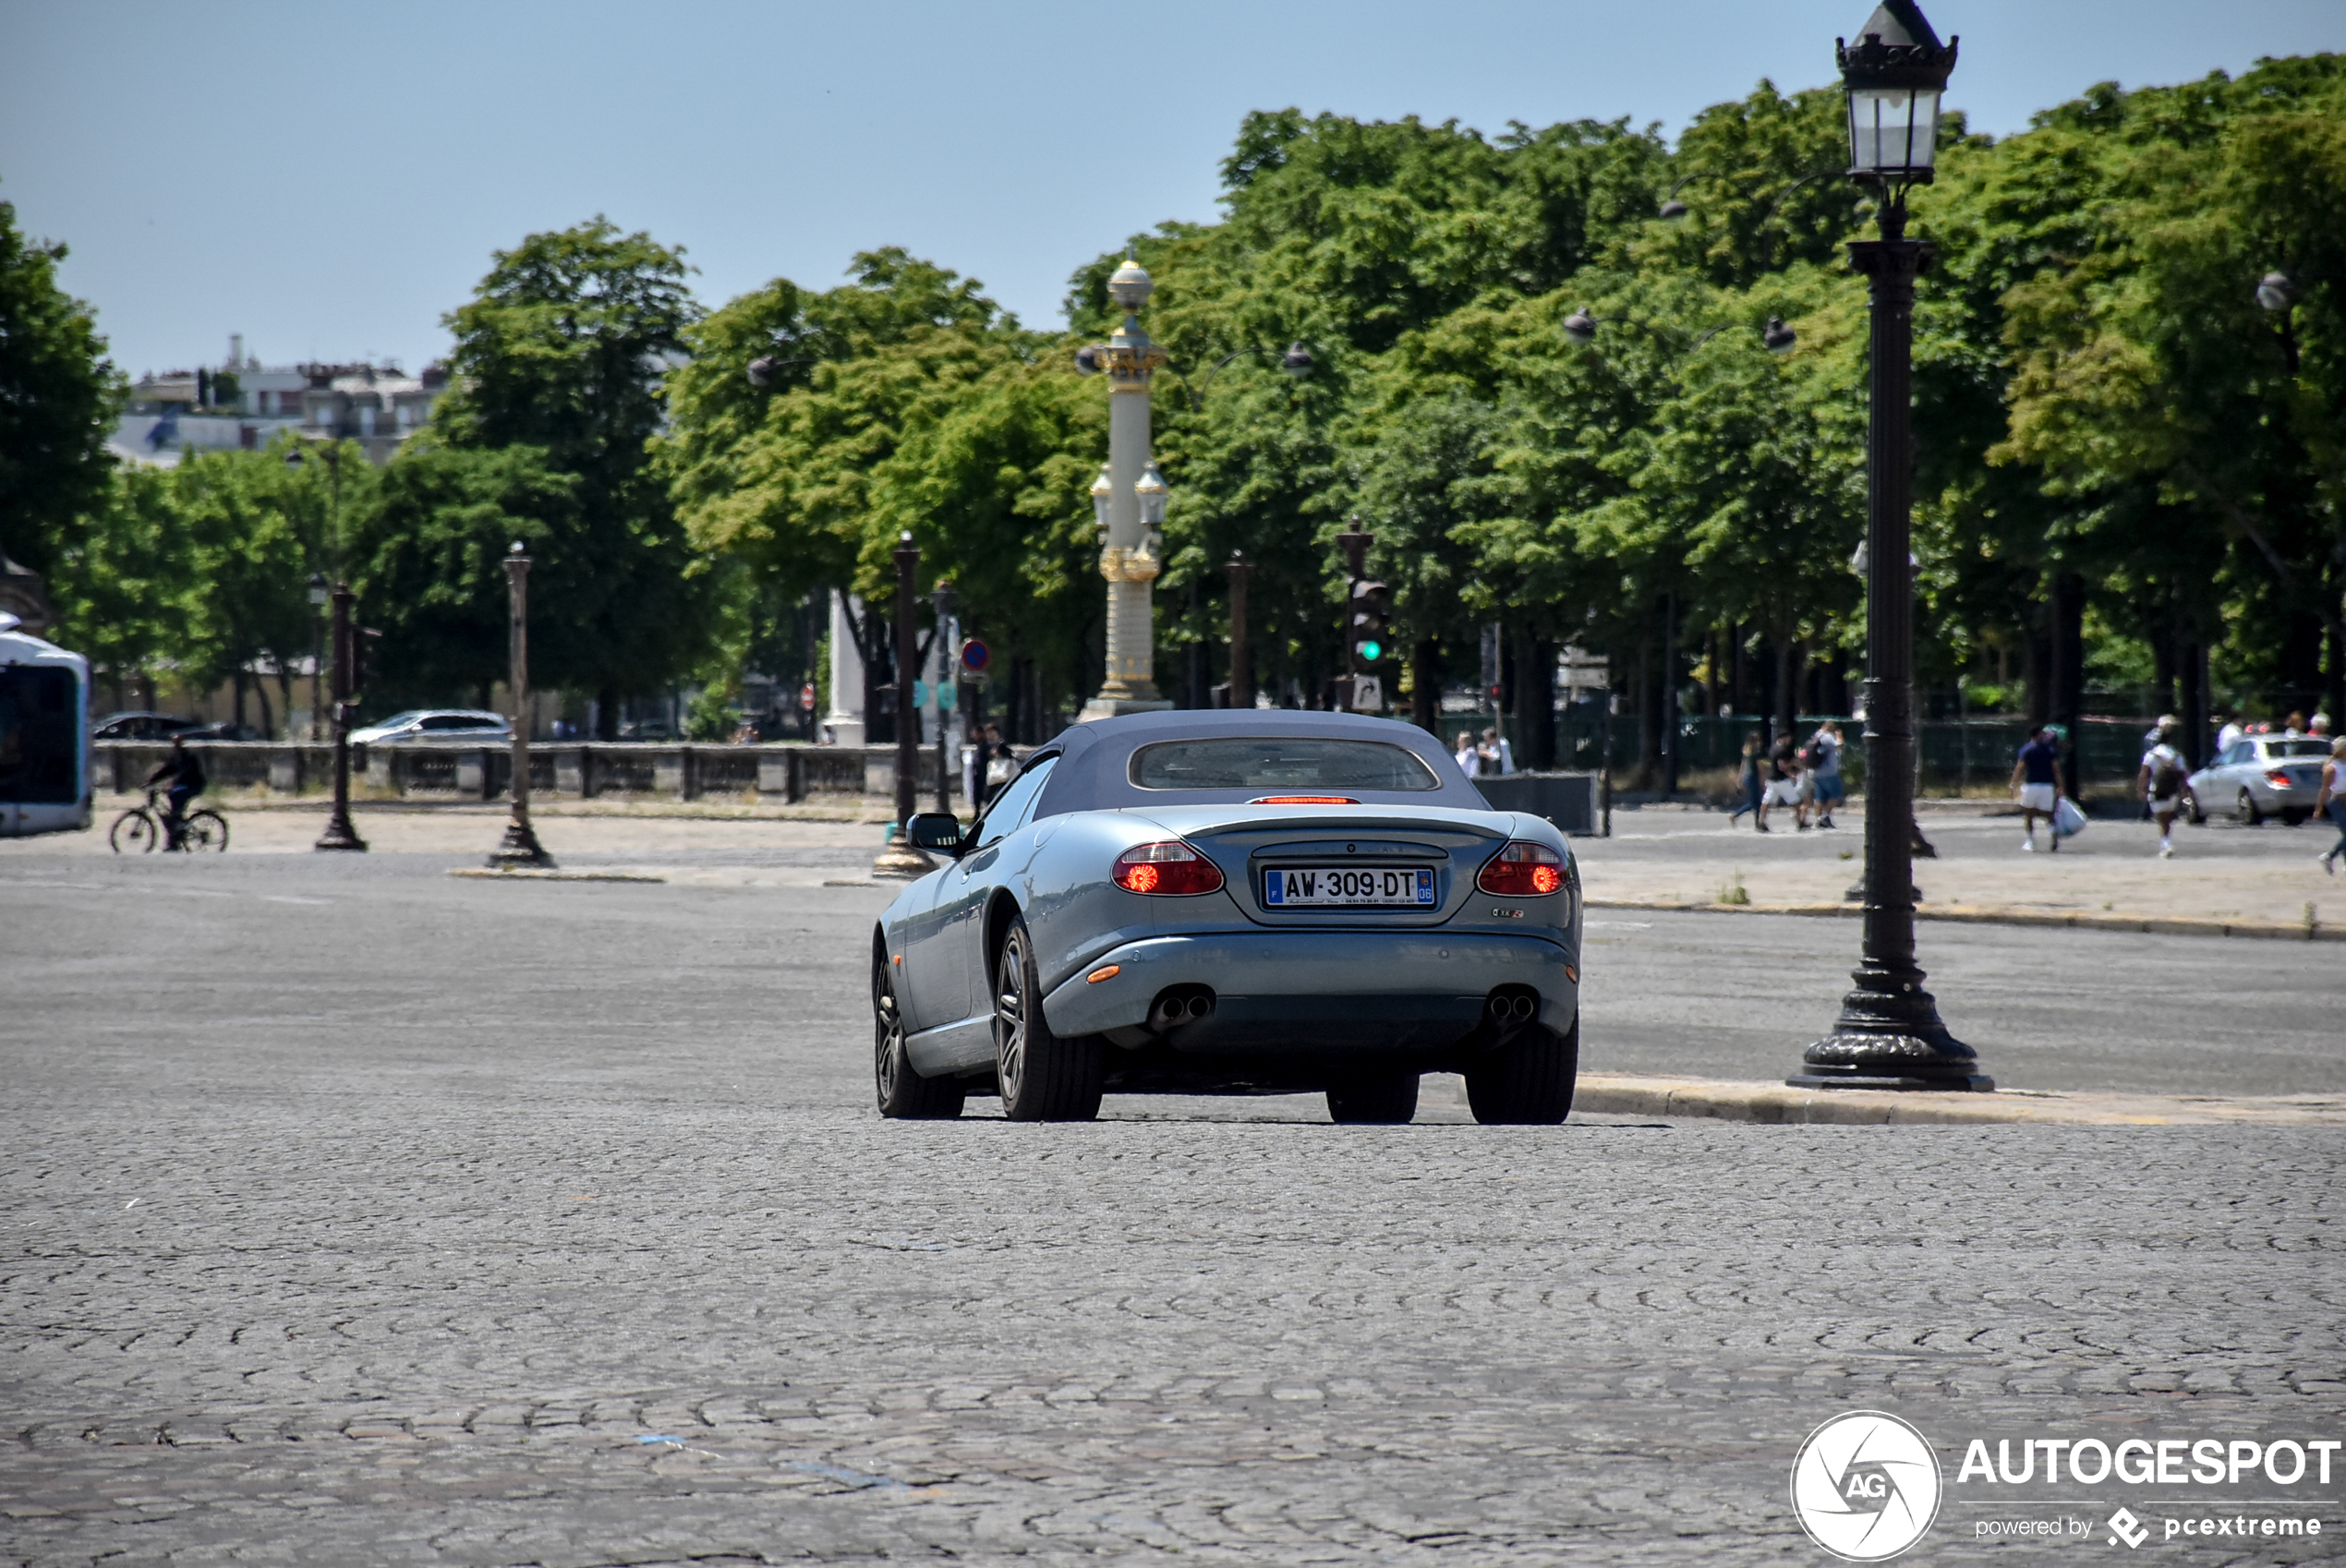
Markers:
point(1233, 902)
point(436, 724)
point(2257, 776)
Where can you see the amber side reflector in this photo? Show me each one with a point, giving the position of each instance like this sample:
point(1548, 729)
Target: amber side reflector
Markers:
point(897, 959)
point(1572, 974)
point(1109, 974)
point(1303, 800)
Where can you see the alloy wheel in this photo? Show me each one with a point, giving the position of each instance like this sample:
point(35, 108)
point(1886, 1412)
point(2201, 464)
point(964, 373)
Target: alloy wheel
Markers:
point(1009, 1014)
point(888, 1028)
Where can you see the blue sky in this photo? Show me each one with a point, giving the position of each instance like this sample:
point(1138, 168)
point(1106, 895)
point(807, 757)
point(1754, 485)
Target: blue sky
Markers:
point(330, 179)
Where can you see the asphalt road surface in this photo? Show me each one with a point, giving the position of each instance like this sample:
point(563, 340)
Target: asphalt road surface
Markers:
point(355, 1214)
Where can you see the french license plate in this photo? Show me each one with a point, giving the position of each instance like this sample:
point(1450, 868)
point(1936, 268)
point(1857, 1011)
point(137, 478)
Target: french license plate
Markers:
point(1320, 886)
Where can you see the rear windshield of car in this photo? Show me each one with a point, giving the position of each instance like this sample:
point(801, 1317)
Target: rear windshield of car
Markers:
point(2300, 749)
point(1300, 767)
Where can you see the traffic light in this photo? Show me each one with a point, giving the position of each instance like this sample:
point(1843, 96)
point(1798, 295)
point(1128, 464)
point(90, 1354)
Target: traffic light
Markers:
point(1372, 618)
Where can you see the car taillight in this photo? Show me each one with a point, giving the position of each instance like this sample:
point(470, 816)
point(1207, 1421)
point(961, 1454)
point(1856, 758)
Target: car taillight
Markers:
point(2280, 779)
point(1523, 871)
point(1170, 868)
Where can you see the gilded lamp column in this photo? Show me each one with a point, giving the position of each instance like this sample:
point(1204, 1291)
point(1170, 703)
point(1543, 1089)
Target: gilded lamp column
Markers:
point(1129, 503)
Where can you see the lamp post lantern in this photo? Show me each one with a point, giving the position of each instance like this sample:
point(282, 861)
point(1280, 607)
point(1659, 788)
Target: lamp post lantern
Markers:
point(520, 846)
point(1889, 1034)
point(1129, 503)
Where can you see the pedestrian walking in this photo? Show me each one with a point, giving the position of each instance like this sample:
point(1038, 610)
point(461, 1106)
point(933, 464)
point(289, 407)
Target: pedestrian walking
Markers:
point(2332, 800)
point(1755, 759)
point(2160, 726)
point(1469, 757)
point(1784, 782)
point(2225, 737)
point(2162, 784)
point(1498, 756)
point(2035, 781)
point(1001, 764)
point(1826, 745)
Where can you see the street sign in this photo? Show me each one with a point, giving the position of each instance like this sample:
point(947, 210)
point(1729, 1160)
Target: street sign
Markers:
point(1368, 694)
point(975, 657)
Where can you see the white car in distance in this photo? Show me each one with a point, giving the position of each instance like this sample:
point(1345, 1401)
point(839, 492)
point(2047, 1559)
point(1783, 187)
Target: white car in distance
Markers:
point(434, 724)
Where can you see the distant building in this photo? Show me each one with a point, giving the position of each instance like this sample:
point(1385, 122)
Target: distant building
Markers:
point(243, 403)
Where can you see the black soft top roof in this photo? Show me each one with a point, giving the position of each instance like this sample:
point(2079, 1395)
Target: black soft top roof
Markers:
point(1095, 770)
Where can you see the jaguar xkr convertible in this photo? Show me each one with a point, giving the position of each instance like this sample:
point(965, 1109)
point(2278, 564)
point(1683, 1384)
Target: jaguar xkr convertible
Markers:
point(1256, 902)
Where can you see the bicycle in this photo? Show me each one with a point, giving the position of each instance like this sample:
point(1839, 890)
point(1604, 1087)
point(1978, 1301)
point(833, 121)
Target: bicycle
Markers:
point(142, 828)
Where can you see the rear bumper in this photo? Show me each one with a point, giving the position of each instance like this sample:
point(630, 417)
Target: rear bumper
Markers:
point(1314, 992)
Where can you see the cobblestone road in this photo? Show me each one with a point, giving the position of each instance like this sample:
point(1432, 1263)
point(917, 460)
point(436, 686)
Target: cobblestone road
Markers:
point(355, 1213)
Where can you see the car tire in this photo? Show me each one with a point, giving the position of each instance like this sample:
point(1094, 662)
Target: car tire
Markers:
point(1373, 1100)
point(902, 1092)
point(1528, 1083)
point(1043, 1078)
point(2194, 812)
point(2244, 810)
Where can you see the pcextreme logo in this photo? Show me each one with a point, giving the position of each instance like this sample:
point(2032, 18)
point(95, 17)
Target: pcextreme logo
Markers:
point(1866, 1486)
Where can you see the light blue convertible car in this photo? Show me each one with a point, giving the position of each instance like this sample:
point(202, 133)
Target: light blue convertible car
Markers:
point(1233, 902)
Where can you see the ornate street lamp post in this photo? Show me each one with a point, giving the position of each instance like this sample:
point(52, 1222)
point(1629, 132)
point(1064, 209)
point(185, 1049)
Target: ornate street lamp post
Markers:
point(940, 599)
point(899, 858)
point(340, 834)
point(318, 596)
point(520, 846)
point(1129, 503)
point(1889, 1034)
point(1241, 654)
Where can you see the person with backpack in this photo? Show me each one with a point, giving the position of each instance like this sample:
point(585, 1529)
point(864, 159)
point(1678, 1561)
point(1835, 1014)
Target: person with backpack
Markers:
point(2161, 784)
point(2035, 777)
point(185, 771)
point(1824, 746)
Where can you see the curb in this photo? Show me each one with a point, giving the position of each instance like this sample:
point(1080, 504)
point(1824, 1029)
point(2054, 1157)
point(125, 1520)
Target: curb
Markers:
point(1636, 1094)
point(1992, 914)
point(485, 874)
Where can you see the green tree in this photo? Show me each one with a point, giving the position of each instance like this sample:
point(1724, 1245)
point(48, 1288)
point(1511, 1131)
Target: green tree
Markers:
point(245, 602)
point(563, 348)
point(427, 550)
point(121, 580)
point(904, 401)
point(58, 397)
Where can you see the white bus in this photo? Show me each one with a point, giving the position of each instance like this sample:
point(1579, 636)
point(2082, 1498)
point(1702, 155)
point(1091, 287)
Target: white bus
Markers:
point(44, 735)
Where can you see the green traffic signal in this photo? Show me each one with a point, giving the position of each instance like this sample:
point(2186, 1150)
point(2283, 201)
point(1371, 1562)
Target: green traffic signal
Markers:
point(1372, 650)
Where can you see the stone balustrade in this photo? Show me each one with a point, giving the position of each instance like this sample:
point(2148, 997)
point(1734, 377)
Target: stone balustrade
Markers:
point(457, 771)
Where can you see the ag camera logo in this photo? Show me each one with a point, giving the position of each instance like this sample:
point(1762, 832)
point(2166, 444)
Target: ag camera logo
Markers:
point(1866, 1486)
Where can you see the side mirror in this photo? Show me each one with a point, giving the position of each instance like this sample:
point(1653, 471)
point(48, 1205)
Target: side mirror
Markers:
point(936, 830)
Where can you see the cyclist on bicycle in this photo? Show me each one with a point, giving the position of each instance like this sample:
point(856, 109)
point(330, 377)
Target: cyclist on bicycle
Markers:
point(185, 770)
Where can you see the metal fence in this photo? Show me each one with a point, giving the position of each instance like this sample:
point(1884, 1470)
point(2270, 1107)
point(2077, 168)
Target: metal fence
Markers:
point(1953, 755)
